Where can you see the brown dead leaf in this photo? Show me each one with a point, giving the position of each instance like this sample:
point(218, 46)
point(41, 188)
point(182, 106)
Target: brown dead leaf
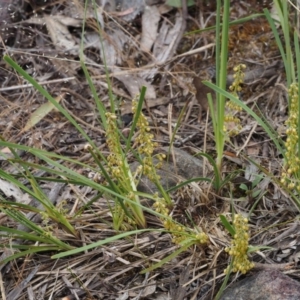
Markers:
point(253, 149)
point(201, 92)
point(150, 20)
point(59, 33)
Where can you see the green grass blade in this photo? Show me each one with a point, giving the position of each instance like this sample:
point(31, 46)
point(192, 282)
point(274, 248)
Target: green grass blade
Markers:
point(22, 219)
point(218, 180)
point(249, 111)
point(100, 30)
point(218, 41)
point(285, 54)
point(100, 107)
point(136, 117)
point(15, 205)
point(224, 284)
point(168, 258)
point(297, 53)
point(32, 250)
point(235, 22)
point(65, 172)
point(227, 225)
point(43, 92)
point(181, 184)
point(23, 235)
point(102, 242)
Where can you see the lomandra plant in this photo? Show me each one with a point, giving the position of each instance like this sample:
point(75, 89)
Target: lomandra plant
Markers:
point(118, 169)
point(217, 109)
point(290, 151)
point(127, 212)
point(114, 168)
point(120, 182)
point(290, 54)
point(218, 112)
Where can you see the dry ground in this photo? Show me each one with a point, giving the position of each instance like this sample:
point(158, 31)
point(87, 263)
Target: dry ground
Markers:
point(44, 39)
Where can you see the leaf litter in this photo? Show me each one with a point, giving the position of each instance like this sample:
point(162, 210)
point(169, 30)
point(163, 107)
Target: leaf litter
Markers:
point(144, 45)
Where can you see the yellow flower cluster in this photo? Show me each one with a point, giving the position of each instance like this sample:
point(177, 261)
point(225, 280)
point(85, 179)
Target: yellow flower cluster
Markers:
point(161, 207)
point(114, 159)
point(146, 146)
point(201, 237)
point(233, 123)
point(62, 207)
point(122, 221)
point(292, 165)
point(239, 77)
point(119, 172)
point(239, 246)
point(179, 234)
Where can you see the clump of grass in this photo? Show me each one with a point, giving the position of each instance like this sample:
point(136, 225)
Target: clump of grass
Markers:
point(218, 112)
point(290, 53)
point(163, 203)
point(119, 171)
point(145, 148)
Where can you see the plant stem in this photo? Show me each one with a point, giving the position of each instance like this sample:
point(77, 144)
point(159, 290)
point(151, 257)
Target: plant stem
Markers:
point(219, 131)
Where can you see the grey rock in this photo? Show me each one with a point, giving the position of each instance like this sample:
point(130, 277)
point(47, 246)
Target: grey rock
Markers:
point(265, 285)
point(183, 167)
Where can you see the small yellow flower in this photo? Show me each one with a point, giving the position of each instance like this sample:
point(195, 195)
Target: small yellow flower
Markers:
point(291, 168)
point(233, 123)
point(239, 245)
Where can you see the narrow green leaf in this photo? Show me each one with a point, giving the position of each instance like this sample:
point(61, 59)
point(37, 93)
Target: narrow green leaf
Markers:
point(44, 93)
point(168, 258)
point(249, 111)
point(224, 284)
point(218, 179)
point(235, 22)
point(102, 242)
point(178, 3)
point(227, 225)
point(32, 250)
point(136, 117)
point(257, 248)
point(184, 183)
